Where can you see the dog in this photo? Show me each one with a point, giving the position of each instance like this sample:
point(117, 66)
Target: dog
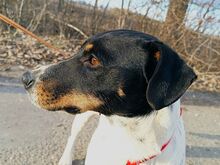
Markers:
point(134, 82)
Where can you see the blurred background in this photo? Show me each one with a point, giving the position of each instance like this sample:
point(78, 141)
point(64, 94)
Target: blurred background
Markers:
point(191, 27)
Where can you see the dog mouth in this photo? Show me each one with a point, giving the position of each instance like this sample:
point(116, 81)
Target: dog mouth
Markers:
point(71, 110)
point(48, 96)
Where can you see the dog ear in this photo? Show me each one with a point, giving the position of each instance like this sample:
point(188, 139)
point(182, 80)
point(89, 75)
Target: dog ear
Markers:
point(167, 75)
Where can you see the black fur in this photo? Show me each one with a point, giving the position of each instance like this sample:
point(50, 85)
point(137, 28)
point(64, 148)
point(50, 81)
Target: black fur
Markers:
point(170, 79)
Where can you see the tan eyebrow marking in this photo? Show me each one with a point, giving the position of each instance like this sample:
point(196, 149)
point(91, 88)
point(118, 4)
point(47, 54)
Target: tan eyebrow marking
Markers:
point(120, 92)
point(157, 55)
point(88, 47)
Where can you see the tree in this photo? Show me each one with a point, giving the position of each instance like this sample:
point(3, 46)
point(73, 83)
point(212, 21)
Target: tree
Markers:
point(175, 18)
point(60, 5)
point(94, 17)
point(60, 13)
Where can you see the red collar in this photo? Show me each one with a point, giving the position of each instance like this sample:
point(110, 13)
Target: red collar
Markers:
point(164, 146)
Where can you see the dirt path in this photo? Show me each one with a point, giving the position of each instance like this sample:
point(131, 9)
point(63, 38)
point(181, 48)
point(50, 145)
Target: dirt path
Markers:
point(32, 136)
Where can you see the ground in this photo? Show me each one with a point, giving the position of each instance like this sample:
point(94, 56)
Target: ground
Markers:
point(30, 136)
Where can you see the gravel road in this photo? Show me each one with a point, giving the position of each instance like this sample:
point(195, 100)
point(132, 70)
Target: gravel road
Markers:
point(29, 136)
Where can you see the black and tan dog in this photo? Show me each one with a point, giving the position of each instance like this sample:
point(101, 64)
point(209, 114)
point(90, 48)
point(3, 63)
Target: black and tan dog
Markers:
point(134, 81)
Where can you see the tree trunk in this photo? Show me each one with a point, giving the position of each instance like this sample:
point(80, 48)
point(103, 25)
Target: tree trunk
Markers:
point(3, 10)
point(174, 23)
point(121, 15)
point(60, 5)
point(94, 17)
point(60, 9)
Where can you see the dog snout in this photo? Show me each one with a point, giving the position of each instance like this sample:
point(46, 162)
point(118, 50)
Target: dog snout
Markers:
point(28, 79)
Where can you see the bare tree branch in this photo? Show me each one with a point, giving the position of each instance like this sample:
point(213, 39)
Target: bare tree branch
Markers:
point(67, 24)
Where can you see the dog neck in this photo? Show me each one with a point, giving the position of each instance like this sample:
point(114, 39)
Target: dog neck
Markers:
point(149, 132)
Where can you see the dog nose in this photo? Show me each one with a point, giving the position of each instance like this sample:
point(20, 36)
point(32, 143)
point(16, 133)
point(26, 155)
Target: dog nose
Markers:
point(27, 79)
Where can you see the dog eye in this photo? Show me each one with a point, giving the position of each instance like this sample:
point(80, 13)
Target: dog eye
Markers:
point(94, 61)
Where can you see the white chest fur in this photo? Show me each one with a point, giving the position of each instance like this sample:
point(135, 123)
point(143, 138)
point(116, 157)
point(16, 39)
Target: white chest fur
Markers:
point(119, 139)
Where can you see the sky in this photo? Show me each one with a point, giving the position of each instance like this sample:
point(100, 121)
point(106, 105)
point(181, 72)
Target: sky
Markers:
point(159, 9)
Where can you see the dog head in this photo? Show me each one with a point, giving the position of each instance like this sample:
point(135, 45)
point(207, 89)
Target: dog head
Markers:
point(120, 72)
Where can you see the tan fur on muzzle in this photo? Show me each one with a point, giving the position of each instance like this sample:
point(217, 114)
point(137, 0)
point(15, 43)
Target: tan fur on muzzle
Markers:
point(49, 101)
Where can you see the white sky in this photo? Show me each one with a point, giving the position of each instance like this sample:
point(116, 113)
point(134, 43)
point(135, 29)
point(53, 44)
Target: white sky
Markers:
point(158, 11)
